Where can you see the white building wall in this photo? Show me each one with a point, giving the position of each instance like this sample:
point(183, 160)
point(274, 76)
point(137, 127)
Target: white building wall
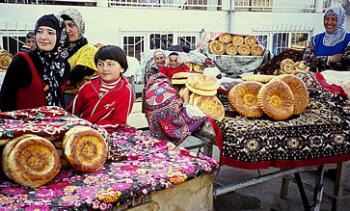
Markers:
point(104, 24)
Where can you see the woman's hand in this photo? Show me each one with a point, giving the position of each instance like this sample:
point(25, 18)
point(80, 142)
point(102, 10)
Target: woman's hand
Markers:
point(335, 58)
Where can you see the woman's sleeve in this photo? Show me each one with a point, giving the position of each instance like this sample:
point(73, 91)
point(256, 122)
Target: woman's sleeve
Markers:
point(77, 103)
point(17, 76)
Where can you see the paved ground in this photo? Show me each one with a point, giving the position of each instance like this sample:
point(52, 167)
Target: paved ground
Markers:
point(264, 196)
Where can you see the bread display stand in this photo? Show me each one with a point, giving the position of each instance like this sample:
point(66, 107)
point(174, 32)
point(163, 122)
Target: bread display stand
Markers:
point(142, 173)
point(232, 65)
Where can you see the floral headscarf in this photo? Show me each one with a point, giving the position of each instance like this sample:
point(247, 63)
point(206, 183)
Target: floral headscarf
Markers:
point(338, 36)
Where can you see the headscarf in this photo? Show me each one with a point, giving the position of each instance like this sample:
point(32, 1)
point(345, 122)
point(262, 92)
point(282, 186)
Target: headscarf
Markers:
point(75, 16)
point(331, 39)
point(53, 63)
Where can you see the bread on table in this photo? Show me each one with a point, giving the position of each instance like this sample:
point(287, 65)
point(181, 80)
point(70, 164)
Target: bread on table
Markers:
point(243, 98)
point(30, 160)
point(276, 99)
point(85, 149)
point(300, 92)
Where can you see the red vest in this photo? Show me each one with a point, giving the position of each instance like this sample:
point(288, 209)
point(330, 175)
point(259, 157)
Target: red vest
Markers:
point(34, 95)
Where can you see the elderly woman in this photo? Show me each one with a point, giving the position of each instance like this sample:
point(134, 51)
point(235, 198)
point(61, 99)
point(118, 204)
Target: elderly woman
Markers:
point(34, 78)
point(80, 53)
point(330, 49)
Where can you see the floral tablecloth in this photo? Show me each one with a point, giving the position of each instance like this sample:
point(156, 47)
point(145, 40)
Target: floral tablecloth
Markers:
point(138, 165)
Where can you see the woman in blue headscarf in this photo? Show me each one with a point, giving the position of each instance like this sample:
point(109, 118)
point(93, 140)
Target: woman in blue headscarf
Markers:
point(330, 49)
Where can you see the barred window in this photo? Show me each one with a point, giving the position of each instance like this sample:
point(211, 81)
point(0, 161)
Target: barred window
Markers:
point(187, 40)
point(162, 41)
point(133, 46)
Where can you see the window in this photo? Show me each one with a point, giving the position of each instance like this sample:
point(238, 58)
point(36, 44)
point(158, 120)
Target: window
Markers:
point(187, 40)
point(299, 40)
point(133, 46)
point(162, 41)
point(13, 43)
point(262, 40)
point(279, 42)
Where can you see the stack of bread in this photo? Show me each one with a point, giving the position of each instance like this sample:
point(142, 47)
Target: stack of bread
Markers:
point(288, 66)
point(233, 44)
point(33, 161)
point(200, 90)
point(279, 98)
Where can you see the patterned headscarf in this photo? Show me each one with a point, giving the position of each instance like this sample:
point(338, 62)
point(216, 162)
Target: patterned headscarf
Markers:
point(331, 39)
point(75, 16)
point(53, 63)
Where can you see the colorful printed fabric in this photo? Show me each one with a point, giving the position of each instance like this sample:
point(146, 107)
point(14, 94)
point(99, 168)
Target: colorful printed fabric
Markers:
point(142, 165)
point(319, 135)
point(168, 118)
point(48, 121)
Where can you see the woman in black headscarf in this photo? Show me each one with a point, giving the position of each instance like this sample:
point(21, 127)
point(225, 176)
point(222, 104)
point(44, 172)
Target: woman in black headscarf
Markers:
point(34, 78)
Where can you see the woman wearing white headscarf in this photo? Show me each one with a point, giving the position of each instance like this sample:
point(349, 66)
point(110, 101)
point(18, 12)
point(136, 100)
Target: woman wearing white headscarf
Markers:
point(330, 49)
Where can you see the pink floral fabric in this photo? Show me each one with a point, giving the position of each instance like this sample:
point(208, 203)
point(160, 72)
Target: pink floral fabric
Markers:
point(141, 164)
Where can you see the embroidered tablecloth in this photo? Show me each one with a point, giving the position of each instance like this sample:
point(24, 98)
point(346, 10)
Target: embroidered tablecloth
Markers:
point(319, 135)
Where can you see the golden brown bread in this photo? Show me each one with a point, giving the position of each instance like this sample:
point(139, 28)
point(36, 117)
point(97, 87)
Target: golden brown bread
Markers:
point(225, 38)
point(276, 100)
point(5, 59)
point(216, 47)
point(231, 49)
point(244, 50)
point(85, 149)
point(258, 77)
point(257, 50)
point(250, 40)
point(30, 160)
point(287, 66)
point(202, 84)
point(211, 106)
point(300, 92)
point(237, 39)
point(243, 98)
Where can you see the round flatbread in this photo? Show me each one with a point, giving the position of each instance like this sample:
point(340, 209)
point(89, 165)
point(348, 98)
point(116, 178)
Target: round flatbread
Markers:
point(237, 39)
point(257, 50)
point(30, 160)
point(211, 106)
point(243, 98)
point(276, 100)
point(299, 89)
point(85, 149)
point(225, 38)
point(250, 40)
point(244, 50)
point(216, 47)
point(231, 49)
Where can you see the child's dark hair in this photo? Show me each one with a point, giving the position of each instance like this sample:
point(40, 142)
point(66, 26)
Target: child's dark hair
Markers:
point(112, 52)
point(30, 35)
point(173, 54)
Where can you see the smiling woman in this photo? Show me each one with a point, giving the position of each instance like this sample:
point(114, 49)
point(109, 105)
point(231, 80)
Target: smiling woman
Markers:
point(34, 78)
point(330, 49)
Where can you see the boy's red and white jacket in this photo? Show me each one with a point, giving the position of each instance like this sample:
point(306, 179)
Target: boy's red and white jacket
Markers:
point(109, 110)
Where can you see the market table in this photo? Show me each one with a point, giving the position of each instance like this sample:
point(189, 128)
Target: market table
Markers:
point(140, 169)
point(314, 138)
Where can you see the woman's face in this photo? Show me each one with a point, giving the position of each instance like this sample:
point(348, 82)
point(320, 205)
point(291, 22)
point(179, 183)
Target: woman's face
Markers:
point(72, 31)
point(45, 38)
point(109, 70)
point(330, 23)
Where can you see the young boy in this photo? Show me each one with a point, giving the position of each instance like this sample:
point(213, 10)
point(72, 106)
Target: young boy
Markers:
point(107, 99)
point(174, 66)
